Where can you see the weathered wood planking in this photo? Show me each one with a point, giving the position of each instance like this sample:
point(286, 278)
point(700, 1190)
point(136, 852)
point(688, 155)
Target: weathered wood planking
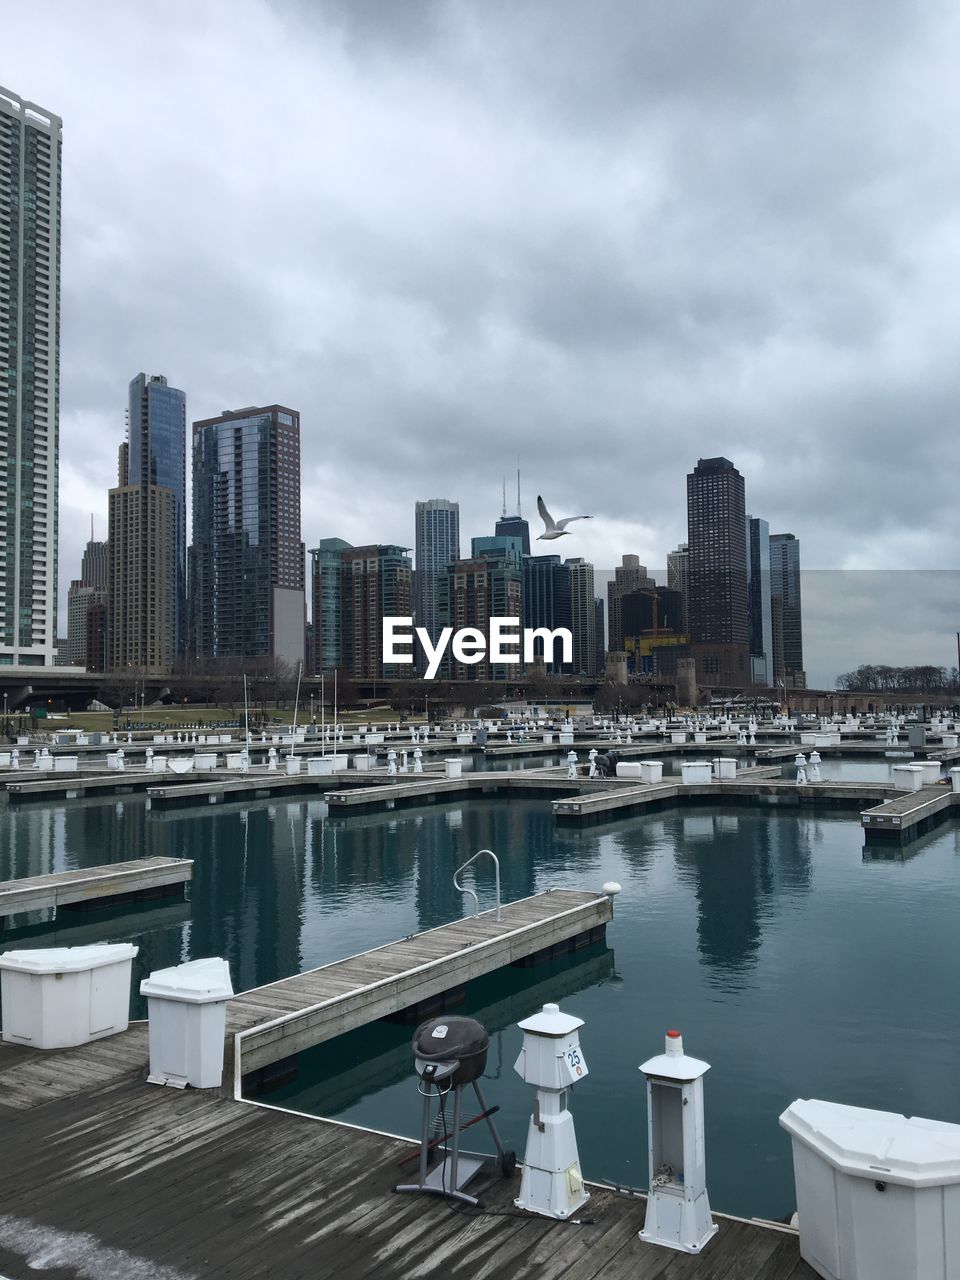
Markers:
point(750, 788)
point(118, 879)
point(316, 1006)
point(904, 812)
point(212, 1188)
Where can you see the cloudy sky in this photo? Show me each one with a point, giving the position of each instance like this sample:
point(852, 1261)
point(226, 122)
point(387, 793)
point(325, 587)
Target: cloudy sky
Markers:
point(605, 237)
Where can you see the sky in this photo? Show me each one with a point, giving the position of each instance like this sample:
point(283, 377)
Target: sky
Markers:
point(599, 238)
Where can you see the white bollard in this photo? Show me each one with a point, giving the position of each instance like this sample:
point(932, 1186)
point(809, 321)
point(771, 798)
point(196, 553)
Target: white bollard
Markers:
point(814, 774)
point(593, 762)
point(800, 760)
point(391, 762)
point(678, 1209)
point(571, 765)
point(417, 760)
point(552, 1061)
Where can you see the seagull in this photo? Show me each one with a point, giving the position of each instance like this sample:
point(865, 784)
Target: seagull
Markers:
point(554, 528)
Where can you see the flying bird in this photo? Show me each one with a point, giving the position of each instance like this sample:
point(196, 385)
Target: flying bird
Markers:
point(554, 528)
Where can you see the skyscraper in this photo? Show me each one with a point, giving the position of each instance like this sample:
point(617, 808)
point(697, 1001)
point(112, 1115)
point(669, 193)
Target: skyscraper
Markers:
point(326, 604)
point(247, 592)
point(30, 143)
point(437, 545)
point(629, 575)
point(717, 572)
point(546, 599)
point(785, 584)
point(473, 591)
point(513, 526)
point(759, 615)
point(87, 592)
point(583, 625)
point(376, 584)
point(677, 575)
point(147, 531)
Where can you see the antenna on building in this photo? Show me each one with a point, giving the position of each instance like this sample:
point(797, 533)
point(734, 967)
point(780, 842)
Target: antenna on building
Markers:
point(504, 497)
point(518, 487)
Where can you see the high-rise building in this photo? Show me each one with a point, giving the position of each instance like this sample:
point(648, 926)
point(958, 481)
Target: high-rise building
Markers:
point(600, 634)
point(157, 455)
point(717, 572)
point(759, 615)
point(546, 599)
point(247, 592)
point(472, 592)
point(677, 569)
point(147, 531)
point(785, 584)
point(376, 584)
point(582, 617)
point(437, 545)
point(30, 143)
point(352, 590)
point(513, 526)
point(86, 592)
point(629, 575)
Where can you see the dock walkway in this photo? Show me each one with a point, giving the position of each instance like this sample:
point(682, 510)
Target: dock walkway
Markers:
point(106, 1175)
point(903, 814)
point(272, 1023)
point(142, 877)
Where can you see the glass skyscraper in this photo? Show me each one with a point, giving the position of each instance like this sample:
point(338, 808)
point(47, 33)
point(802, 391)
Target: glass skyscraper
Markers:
point(247, 585)
point(29, 380)
point(437, 545)
point(785, 586)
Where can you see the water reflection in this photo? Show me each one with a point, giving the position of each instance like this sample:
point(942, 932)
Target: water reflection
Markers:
point(738, 871)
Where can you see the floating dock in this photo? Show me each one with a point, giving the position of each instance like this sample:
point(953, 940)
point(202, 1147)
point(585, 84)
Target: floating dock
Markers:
point(89, 886)
point(908, 815)
point(270, 1024)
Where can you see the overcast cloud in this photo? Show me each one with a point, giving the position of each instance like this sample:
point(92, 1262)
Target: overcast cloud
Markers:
point(605, 237)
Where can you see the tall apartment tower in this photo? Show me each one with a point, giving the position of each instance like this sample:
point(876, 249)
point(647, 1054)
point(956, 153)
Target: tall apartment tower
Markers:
point(759, 613)
point(30, 141)
point(88, 592)
point(247, 565)
point(717, 571)
point(785, 585)
point(147, 531)
point(513, 526)
point(436, 545)
point(473, 591)
point(629, 575)
point(546, 599)
point(677, 579)
point(353, 590)
point(583, 625)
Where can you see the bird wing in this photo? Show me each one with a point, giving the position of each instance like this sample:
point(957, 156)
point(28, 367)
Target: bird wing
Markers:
point(545, 516)
point(562, 524)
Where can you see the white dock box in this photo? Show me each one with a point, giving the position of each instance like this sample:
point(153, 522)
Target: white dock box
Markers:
point(651, 771)
point(908, 777)
point(878, 1194)
point(629, 769)
point(454, 768)
point(724, 768)
point(694, 771)
point(55, 997)
point(187, 1008)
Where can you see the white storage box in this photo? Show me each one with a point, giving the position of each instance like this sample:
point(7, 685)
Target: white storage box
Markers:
point(319, 766)
point(908, 777)
point(693, 771)
point(454, 768)
point(363, 762)
point(204, 761)
point(878, 1194)
point(565, 738)
point(651, 771)
point(65, 764)
point(629, 769)
point(725, 769)
point(955, 780)
point(187, 1008)
point(293, 764)
point(930, 771)
point(56, 997)
point(678, 735)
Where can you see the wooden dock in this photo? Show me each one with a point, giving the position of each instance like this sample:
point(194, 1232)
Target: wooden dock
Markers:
point(118, 881)
point(907, 814)
point(106, 1175)
point(272, 1023)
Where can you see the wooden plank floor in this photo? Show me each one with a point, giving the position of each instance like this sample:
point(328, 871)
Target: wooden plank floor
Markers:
point(63, 888)
point(348, 993)
point(104, 1175)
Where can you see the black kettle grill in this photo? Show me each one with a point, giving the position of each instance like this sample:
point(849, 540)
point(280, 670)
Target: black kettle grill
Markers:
point(450, 1053)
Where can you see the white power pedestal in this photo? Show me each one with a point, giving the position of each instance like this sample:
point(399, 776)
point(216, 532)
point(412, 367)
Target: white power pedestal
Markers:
point(552, 1061)
point(678, 1211)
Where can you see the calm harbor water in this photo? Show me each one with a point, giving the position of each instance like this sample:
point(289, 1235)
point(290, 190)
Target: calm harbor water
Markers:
point(794, 964)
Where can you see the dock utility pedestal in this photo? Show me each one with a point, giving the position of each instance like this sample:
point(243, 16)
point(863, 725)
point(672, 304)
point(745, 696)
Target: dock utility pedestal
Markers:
point(678, 1211)
point(450, 1053)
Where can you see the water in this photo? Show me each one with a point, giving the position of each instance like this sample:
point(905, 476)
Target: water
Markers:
point(791, 963)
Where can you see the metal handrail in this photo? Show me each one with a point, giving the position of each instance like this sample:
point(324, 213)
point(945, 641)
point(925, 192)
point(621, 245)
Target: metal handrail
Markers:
point(464, 889)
